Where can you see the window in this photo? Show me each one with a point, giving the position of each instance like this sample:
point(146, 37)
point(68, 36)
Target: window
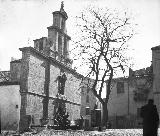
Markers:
point(120, 87)
point(56, 21)
point(59, 44)
point(65, 46)
point(87, 110)
point(62, 24)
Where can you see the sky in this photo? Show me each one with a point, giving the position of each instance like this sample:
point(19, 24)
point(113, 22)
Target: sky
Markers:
point(22, 21)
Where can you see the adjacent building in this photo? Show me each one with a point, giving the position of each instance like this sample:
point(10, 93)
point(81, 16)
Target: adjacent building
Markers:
point(127, 96)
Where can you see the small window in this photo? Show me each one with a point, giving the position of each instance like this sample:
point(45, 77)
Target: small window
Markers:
point(120, 87)
point(56, 21)
point(59, 44)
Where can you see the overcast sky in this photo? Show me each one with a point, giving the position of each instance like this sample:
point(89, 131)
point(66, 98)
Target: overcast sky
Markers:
point(22, 21)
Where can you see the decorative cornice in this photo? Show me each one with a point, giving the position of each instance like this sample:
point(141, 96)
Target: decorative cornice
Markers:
point(59, 30)
point(62, 13)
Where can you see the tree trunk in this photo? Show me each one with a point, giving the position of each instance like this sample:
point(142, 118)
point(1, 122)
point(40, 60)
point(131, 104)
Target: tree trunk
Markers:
point(105, 115)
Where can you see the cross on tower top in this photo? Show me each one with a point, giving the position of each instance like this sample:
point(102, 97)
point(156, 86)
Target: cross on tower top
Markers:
point(62, 6)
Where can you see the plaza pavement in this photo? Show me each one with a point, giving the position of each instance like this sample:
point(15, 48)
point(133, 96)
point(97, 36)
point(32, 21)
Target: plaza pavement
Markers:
point(107, 132)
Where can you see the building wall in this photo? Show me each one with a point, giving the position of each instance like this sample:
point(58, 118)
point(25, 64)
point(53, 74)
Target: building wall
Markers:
point(36, 74)
point(123, 105)
point(118, 102)
point(35, 107)
point(53, 86)
point(156, 75)
point(42, 78)
point(10, 101)
point(72, 90)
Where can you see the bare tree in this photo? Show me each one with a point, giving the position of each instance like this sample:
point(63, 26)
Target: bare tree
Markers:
point(101, 49)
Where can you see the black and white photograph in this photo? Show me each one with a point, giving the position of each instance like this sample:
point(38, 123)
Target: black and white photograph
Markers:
point(79, 67)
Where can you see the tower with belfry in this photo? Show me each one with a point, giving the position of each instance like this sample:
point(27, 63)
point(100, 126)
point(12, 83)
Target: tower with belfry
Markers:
point(56, 45)
point(41, 79)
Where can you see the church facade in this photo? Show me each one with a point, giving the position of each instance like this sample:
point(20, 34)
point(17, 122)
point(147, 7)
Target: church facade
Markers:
point(44, 75)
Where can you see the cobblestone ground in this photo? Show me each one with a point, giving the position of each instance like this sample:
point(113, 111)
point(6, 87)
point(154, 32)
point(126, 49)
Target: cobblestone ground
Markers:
point(108, 132)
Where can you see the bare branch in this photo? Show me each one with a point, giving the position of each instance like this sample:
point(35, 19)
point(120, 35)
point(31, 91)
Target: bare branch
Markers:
point(102, 47)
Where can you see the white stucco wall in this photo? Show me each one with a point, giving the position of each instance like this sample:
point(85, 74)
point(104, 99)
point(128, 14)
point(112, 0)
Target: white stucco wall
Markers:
point(10, 106)
point(118, 103)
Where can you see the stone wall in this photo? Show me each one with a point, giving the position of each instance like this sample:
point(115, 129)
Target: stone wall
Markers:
point(73, 110)
point(53, 86)
point(42, 72)
point(10, 101)
point(72, 90)
point(36, 74)
point(35, 107)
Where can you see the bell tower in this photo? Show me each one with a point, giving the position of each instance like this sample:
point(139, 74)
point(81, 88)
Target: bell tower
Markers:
point(58, 40)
